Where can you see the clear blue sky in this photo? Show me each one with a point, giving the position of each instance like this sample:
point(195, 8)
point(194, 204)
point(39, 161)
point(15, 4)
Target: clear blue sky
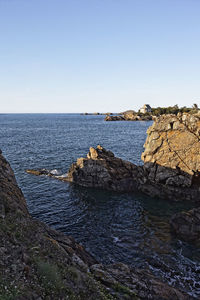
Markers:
point(98, 55)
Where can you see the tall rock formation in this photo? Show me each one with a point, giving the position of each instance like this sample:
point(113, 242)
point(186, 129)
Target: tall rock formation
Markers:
point(174, 142)
point(172, 155)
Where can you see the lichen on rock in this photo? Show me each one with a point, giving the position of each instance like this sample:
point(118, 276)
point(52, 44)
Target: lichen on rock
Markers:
point(174, 142)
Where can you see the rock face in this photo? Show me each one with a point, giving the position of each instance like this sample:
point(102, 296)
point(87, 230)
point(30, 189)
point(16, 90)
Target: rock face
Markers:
point(101, 169)
point(174, 142)
point(37, 262)
point(186, 225)
point(172, 157)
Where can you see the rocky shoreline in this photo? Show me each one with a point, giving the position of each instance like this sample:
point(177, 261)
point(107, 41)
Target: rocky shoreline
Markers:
point(129, 116)
point(38, 262)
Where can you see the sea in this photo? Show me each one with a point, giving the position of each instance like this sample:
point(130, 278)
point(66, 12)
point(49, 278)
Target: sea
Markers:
point(131, 228)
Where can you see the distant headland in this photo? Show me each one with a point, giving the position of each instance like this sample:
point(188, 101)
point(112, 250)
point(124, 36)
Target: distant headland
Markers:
point(146, 113)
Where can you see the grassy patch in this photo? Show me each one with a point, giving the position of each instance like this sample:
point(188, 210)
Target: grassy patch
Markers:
point(49, 275)
point(122, 289)
point(8, 291)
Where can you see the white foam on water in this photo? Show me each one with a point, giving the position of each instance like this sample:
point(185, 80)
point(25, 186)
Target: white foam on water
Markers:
point(63, 175)
point(54, 172)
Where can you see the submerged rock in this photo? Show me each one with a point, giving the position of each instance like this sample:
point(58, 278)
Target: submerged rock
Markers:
point(45, 172)
point(186, 225)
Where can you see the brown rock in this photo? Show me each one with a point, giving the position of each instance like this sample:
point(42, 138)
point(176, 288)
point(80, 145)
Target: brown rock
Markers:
point(101, 169)
point(174, 142)
point(114, 118)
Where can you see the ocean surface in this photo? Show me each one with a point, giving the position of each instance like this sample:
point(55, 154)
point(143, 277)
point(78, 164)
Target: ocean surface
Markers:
point(113, 227)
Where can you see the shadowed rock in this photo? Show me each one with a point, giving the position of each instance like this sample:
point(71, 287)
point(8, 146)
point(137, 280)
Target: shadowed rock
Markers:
point(101, 169)
point(186, 225)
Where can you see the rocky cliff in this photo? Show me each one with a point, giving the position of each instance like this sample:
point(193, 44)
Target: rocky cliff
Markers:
point(174, 142)
point(37, 262)
point(172, 157)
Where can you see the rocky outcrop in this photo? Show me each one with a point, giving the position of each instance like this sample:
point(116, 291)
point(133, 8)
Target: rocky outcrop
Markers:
point(129, 116)
point(101, 169)
point(11, 197)
point(174, 142)
point(37, 262)
point(186, 225)
point(172, 156)
point(114, 118)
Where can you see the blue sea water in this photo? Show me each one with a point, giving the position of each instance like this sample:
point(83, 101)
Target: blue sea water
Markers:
point(114, 227)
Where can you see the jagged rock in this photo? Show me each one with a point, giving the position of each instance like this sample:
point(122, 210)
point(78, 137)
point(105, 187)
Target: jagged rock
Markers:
point(172, 156)
point(186, 225)
point(135, 282)
point(174, 142)
point(101, 169)
point(11, 197)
